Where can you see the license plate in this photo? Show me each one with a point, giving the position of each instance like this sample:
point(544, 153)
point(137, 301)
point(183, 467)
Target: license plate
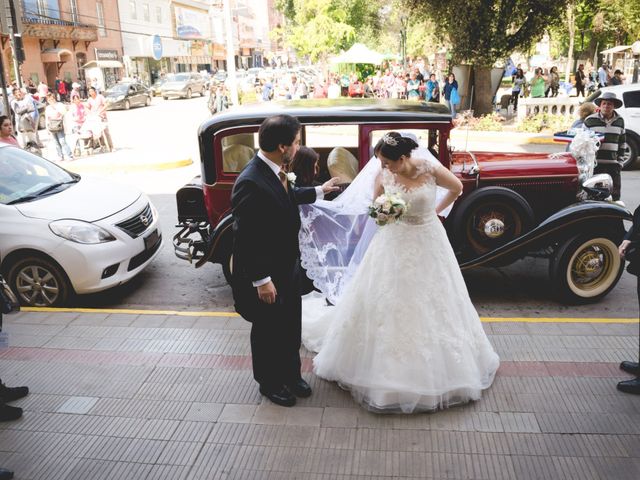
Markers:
point(150, 240)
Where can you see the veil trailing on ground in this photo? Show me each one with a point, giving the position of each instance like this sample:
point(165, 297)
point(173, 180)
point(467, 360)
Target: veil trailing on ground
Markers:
point(335, 234)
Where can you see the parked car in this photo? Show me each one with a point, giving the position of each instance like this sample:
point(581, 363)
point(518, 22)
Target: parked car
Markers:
point(125, 95)
point(182, 85)
point(630, 112)
point(62, 234)
point(155, 88)
point(513, 204)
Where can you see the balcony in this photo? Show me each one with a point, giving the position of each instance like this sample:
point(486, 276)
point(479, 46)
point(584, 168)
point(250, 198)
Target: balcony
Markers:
point(54, 29)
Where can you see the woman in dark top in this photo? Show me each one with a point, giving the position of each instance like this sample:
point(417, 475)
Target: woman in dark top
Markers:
point(630, 251)
point(448, 88)
point(305, 165)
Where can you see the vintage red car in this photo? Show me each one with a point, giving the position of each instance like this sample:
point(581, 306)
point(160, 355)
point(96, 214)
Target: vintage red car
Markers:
point(513, 205)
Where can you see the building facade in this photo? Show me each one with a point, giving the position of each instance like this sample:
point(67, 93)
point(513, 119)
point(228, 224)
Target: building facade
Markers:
point(62, 37)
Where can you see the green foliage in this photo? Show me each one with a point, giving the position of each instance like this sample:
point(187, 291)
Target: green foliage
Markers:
point(491, 122)
point(599, 24)
point(484, 31)
point(316, 28)
point(545, 122)
point(247, 97)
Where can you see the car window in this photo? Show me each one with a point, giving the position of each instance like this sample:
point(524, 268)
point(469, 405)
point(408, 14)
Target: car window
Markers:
point(338, 149)
point(426, 138)
point(631, 99)
point(238, 150)
point(23, 174)
point(179, 77)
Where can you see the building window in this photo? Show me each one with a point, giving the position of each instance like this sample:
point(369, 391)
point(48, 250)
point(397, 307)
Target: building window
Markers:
point(100, 12)
point(134, 10)
point(73, 10)
point(145, 12)
point(159, 14)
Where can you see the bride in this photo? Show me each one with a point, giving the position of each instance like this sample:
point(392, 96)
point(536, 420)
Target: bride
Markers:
point(403, 335)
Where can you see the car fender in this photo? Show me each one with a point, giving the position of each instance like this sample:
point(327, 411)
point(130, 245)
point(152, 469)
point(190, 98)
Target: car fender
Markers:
point(219, 243)
point(588, 216)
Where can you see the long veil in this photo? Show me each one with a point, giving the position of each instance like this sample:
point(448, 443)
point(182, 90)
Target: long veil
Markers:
point(334, 235)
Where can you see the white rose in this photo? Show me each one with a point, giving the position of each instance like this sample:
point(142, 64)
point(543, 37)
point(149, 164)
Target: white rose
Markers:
point(381, 219)
point(291, 177)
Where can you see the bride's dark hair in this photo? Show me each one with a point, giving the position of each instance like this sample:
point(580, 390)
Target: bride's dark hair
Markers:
point(393, 145)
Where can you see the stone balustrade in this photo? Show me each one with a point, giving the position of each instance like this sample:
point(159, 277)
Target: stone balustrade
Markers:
point(566, 106)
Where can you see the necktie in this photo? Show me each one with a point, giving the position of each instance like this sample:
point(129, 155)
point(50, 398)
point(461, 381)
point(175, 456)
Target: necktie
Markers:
point(283, 179)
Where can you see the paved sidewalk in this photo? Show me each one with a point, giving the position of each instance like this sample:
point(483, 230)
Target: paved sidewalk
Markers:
point(154, 396)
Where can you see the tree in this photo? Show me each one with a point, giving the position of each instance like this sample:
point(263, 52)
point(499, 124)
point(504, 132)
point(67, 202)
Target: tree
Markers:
point(316, 28)
point(483, 32)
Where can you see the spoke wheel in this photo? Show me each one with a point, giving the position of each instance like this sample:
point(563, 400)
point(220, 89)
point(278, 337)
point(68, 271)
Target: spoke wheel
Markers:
point(586, 269)
point(39, 283)
point(492, 224)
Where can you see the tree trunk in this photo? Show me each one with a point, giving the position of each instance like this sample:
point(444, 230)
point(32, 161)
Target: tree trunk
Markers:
point(571, 24)
point(482, 91)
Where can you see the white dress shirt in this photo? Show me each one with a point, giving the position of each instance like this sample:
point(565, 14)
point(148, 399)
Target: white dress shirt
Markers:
point(276, 170)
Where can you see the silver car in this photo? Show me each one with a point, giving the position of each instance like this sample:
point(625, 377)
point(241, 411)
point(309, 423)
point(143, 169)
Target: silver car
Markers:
point(183, 85)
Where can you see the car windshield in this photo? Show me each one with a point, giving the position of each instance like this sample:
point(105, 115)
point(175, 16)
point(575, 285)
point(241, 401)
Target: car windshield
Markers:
point(180, 77)
point(25, 176)
point(119, 89)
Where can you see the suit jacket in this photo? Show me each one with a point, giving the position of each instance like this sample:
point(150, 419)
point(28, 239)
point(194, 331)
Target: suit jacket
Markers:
point(265, 236)
point(633, 251)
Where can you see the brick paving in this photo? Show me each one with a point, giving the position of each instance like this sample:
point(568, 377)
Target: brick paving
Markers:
point(127, 396)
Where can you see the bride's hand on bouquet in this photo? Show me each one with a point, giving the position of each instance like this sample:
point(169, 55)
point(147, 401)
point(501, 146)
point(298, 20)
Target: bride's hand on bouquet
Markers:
point(267, 293)
point(331, 185)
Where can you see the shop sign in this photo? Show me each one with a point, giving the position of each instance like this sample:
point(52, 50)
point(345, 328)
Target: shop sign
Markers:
point(191, 24)
point(106, 54)
point(156, 47)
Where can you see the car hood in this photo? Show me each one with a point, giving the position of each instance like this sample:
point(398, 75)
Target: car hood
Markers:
point(90, 199)
point(493, 164)
point(174, 85)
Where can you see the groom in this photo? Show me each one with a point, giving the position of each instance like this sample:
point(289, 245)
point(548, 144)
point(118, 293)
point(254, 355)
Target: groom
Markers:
point(266, 277)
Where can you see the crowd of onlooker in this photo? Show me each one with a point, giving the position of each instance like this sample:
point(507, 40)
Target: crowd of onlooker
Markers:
point(67, 107)
point(414, 81)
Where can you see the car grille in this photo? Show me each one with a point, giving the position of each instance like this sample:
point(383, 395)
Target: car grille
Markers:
point(137, 224)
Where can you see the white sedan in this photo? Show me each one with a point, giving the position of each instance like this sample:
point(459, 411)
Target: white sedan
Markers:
point(61, 234)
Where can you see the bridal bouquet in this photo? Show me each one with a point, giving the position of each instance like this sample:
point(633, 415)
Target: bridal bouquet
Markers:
point(387, 208)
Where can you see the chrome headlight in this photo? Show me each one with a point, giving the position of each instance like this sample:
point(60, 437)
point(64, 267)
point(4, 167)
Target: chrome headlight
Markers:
point(598, 187)
point(80, 232)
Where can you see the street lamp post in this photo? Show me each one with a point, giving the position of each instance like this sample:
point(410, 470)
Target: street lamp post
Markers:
point(404, 21)
point(635, 49)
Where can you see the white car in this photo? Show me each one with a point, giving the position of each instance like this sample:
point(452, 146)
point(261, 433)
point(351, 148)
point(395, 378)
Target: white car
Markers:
point(61, 234)
point(630, 112)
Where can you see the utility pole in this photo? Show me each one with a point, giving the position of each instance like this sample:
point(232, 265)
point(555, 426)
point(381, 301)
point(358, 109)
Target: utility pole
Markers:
point(15, 39)
point(4, 30)
point(231, 65)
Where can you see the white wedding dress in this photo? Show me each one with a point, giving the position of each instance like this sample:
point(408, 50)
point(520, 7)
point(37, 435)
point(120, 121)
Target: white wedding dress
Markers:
point(404, 335)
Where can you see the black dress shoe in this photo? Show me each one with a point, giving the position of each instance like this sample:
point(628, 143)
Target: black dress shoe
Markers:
point(8, 413)
point(300, 388)
point(630, 386)
point(630, 367)
point(9, 394)
point(5, 474)
point(279, 396)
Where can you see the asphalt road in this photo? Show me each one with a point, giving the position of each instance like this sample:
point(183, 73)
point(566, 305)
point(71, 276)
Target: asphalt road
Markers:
point(518, 290)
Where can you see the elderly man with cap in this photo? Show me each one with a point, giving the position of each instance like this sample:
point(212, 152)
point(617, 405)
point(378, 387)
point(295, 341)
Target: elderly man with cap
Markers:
point(612, 148)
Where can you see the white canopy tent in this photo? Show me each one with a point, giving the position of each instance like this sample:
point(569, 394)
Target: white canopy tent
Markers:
point(359, 53)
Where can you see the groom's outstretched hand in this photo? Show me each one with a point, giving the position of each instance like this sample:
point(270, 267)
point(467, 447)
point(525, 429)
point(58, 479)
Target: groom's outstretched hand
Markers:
point(267, 293)
point(331, 185)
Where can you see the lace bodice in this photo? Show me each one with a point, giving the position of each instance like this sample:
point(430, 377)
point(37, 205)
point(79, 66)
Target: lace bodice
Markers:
point(421, 200)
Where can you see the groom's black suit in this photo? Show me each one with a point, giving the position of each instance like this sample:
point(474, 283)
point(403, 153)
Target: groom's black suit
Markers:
point(265, 244)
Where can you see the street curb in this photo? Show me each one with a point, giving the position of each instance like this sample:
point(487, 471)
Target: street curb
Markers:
point(505, 136)
point(125, 167)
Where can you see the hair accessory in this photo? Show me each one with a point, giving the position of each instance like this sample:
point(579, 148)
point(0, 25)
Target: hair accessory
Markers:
point(389, 140)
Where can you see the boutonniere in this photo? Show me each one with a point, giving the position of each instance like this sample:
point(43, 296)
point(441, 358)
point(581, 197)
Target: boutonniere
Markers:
point(291, 178)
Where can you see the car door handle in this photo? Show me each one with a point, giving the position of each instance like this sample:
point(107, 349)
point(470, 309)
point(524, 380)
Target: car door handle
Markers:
point(635, 115)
